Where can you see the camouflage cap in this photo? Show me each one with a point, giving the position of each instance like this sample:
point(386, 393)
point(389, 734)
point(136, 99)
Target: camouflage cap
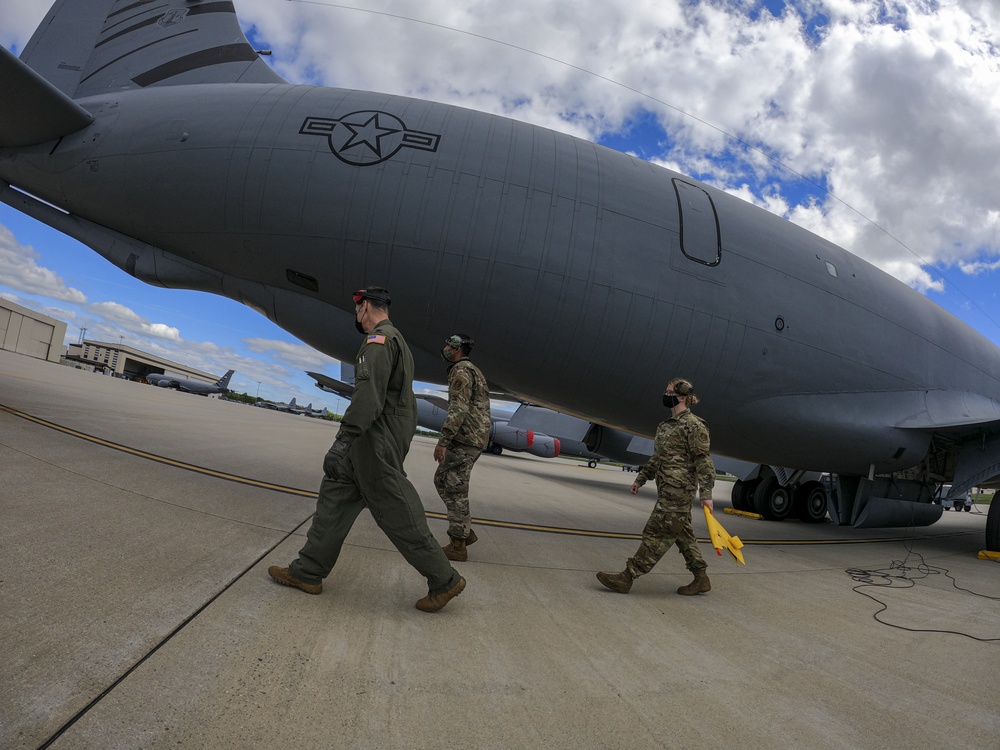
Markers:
point(458, 340)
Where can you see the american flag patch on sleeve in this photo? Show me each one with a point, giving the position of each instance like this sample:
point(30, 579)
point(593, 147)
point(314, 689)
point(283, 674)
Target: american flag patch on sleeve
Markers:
point(375, 338)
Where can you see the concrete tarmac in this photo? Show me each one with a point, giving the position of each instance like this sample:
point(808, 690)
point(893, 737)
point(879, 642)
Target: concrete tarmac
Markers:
point(136, 612)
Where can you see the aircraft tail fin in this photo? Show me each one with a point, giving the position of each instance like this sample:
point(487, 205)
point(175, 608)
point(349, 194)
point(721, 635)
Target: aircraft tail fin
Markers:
point(34, 110)
point(89, 47)
point(223, 382)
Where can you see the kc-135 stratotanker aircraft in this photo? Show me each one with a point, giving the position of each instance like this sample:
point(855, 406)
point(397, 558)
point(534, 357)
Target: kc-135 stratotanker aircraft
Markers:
point(154, 133)
point(191, 386)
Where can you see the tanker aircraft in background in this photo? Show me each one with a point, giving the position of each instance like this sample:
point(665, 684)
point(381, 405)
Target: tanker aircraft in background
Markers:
point(153, 133)
point(292, 407)
point(433, 409)
point(192, 386)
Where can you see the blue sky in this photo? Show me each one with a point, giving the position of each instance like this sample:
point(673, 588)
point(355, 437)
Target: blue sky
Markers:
point(891, 105)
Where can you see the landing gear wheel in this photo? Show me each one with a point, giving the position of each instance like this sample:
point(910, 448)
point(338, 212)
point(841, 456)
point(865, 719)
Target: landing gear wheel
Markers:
point(761, 492)
point(742, 495)
point(993, 526)
point(773, 501)
point(810, 502)
point(496, 450)
point(591, 464)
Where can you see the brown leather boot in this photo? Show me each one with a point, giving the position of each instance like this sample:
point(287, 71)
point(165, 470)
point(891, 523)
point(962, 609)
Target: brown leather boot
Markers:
point(699, 585)
point(456, 550)
point(282, 576)
point(620, 582)
point(434, 603)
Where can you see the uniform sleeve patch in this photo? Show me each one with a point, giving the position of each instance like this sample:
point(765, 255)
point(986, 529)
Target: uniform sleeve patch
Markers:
point(375, 338)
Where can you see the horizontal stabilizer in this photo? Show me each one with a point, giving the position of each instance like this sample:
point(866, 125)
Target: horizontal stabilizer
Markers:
point(342, 389)
point(438, 401)
point(34, 111)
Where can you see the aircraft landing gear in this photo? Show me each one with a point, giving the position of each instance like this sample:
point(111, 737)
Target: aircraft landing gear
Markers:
point(766, 496)
point(810, 502)
point(993, 526)
point(771, 500)
point(742, 494)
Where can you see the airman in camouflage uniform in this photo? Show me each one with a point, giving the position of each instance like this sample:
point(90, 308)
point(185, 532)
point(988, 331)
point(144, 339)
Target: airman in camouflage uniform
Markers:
point(464, 436)
point(364, 467)
point(682, 468)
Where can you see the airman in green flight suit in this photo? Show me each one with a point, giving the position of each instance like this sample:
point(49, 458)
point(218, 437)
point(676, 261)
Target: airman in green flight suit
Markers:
point(364, 467)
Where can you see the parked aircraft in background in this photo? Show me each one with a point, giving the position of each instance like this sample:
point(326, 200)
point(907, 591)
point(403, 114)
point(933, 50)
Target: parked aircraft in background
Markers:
point(192, 386)
point(154, 134)
point(432, 411)
point(319, 413)
point(294, 408)
point(291, 407)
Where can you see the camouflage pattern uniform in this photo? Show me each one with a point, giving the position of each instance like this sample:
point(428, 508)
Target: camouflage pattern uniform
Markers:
point(464, 436)
point(378, 427)
point(682, 467)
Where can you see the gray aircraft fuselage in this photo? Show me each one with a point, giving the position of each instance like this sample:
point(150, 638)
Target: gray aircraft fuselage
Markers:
point(590, 277)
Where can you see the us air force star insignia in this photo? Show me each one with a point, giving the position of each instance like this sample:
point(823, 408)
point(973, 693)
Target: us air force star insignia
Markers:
point(367, 137)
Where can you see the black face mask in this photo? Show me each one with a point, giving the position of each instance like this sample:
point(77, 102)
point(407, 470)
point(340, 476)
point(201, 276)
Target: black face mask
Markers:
point(357, 324)
point(670, 401)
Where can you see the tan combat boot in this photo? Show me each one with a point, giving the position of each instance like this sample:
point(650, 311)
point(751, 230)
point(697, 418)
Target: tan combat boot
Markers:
point(282, 576)
point(434, 603)
point(620, 582)
point(699, 585)
point(456, 550)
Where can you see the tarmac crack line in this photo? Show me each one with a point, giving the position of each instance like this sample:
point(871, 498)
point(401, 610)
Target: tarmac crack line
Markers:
point(166, 639)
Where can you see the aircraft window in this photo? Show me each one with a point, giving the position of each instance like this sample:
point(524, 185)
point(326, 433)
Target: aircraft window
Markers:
point(831, 269)
point(701, 238)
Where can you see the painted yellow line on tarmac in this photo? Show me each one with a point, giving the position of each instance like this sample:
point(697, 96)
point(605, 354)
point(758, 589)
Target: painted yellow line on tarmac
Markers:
point(159, 459)
point(430, 514)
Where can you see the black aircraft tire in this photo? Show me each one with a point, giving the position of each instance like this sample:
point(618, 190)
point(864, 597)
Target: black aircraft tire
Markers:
point(738, 495)
point(762, 495)
point(810, 502)
point(742, 495)
point(993, 526)
point(778, 505)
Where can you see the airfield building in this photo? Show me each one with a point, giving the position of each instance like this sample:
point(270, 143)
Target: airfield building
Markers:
point(123, 361)
point(29, 332)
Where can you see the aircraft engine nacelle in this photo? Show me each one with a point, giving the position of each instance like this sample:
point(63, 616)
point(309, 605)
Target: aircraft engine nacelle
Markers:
point(511, 438)
point(165, 384)
point(545, 446)
point(613, 444)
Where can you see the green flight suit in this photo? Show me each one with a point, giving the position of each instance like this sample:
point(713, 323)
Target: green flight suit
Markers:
point(379, 425)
